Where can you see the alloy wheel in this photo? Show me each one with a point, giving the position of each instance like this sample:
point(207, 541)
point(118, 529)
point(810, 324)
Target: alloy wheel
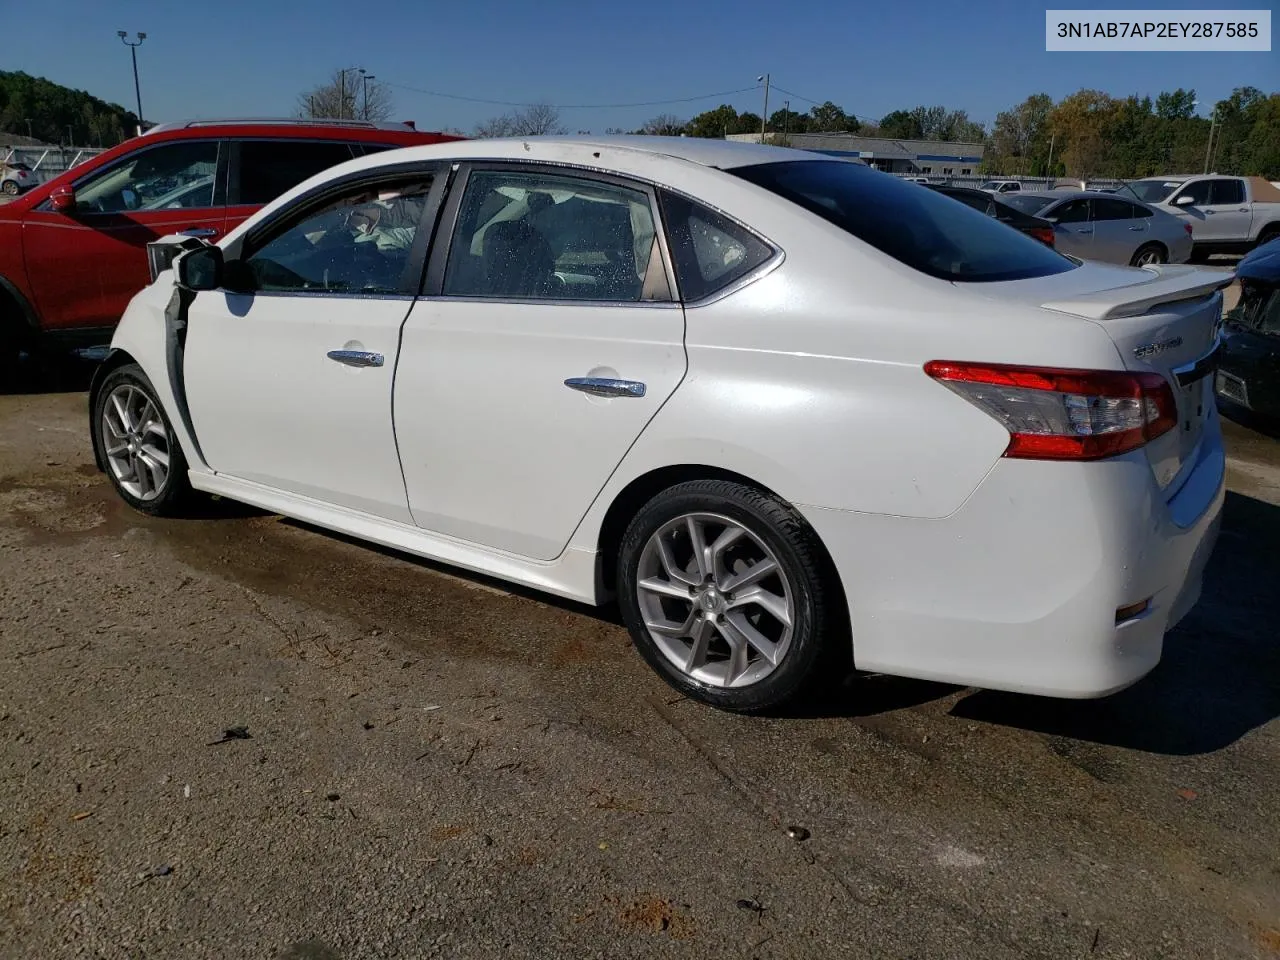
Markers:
point(136, 442)
point(715, 600)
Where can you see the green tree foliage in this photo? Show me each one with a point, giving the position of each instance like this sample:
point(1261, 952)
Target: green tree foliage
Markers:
point(829, 118)
point(51, 108)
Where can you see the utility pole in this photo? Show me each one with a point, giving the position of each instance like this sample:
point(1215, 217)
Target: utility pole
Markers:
point(1213, 119)
point(30, 135)
point(366, 77)
point(1049, 168)
point(71, 137)
point(133, 46)
point(765, 119)
point(786, 122)
point(342, 93)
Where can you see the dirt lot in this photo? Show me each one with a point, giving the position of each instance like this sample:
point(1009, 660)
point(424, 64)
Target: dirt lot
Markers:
point(436, 767)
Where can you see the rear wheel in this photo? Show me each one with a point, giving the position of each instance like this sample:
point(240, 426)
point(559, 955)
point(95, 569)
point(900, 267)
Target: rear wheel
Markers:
point(726, 593)
point(141, 454)
point(1149, 254)
point(10, 188)
point(1269, 233)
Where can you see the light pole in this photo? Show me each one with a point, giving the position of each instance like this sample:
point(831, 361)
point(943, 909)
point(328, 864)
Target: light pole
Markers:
point(30, 135)
point(765, 119)
point(133, 46)
point(366, 77)
point(1208, 148)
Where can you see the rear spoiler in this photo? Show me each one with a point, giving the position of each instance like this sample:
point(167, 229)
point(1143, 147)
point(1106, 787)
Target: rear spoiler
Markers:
point(1168, 284)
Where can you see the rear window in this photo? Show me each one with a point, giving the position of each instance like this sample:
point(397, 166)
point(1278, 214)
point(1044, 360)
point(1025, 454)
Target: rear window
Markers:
point(1026, 204)
point(923, 229)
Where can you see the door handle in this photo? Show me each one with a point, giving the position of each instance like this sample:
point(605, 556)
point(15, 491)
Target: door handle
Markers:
point(1243, 210)
point(198, 232)
point(356, 358)
point(1137, 229)
point(605, 387)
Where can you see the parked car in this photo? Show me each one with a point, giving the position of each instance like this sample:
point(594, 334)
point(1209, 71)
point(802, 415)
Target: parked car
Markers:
point(1225, 214)
point(1002, 186)
point(1103, 226)
point(16, 177)
point(957, 455)
point(985, 202)
point(73, 250)
point(1249, 370)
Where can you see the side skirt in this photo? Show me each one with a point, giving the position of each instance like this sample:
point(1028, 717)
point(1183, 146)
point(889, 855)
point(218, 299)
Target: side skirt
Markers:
point(572, 576)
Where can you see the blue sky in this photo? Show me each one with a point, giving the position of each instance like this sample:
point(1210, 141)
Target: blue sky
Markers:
point(237, 58)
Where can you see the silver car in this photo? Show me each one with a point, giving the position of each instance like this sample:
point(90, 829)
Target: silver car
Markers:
point(1093, 225)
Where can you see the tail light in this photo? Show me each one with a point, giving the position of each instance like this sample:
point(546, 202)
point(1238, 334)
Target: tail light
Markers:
point(1043, 234)
point(1187, 227)
point(1057, 414)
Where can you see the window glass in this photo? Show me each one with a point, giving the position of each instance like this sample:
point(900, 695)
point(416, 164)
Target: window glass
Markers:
point(1027, 203)
point(546, 236)
point(1226, 190)
point(920, 228)
point(1073, 211)
point(710, 251)
point(1268, 315)
point(1107, 209)
point(1142, 211)
point(359, 244)
point(172, 175)
point(1198, 192)
point(1152, 191)
point(268, 168)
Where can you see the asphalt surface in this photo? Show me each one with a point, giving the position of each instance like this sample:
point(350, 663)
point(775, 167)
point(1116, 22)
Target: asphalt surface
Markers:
point(437, 767)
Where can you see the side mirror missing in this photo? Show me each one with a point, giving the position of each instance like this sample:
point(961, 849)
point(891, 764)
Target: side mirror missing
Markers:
point(199, 269)
point(63, 199)
point(1185, 200)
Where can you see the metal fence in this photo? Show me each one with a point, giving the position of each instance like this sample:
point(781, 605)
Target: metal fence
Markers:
point(48, 162)
point(1031, 184)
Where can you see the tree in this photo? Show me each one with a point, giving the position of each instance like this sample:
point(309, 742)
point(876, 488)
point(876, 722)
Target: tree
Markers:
point(536, 120)
point(747, 123)
point(901, 125)
point(715, 124)
point(829, 118)
point(783, 123)
point(1178, 105)
point(51, 108)
point(663, 125)
point(1078, 124)
point(343, 97)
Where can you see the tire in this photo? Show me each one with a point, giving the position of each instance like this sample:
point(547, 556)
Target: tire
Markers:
point(10, 188)
point(747, 676)
point(1149, 253)
point(1269, 233)
point(128, 419)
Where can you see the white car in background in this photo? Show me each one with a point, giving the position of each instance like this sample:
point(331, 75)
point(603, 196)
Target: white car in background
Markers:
point(791, 412)
point(1102, 226)
point(16, 178)
point(1225, 214)
point(1002, 186)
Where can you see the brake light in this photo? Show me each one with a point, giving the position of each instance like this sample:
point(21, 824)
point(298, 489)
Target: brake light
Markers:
point(1187, 227)
point(1043, 234)
point(1060, 414)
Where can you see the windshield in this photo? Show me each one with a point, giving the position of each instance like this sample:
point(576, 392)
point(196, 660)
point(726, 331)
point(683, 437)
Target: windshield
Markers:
point(1025, 203)
point(1152, 191)
point(921, 228)
point(990, 185)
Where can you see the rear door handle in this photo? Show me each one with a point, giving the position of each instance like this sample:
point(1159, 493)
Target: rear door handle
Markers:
point(1137, 229)
point(199, 232)
point(356, 358)
point(605, 387)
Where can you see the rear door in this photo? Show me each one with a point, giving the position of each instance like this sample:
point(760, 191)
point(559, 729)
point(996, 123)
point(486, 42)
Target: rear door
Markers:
point(1117, 233)
point(1073, 231)
point(263, 169)
point(84, 266)
point(549, 340)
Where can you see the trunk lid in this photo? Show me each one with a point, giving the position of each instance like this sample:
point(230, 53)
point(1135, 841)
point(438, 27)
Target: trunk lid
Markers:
point(1162, 320)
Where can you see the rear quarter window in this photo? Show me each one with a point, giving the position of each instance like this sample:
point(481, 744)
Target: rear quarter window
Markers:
point(924, 230)
point(710, 251)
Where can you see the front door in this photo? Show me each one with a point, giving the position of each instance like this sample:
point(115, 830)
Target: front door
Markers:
point(1216, 209)
point(552, 341)
point(85, 266)
point(288, 374)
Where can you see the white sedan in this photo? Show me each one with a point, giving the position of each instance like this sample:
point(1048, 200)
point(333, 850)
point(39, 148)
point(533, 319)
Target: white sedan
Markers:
point(794, 414)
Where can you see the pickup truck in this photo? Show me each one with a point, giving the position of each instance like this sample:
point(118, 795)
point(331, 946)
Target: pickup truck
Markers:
point(1226, 214)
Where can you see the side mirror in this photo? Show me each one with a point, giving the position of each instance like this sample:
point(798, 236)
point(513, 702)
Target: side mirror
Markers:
point(1185, 200)
point(63, 198)
point(1053, 220)
point(199, 269)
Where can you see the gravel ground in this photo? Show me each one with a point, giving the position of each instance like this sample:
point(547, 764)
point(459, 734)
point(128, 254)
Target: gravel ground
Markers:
point(429, 765)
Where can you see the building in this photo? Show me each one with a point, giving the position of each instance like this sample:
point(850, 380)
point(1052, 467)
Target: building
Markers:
point(936, 158)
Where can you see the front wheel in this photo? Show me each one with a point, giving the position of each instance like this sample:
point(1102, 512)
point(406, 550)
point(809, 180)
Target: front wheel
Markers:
point(141, 455)
point(727, 595)
point(1148, 254)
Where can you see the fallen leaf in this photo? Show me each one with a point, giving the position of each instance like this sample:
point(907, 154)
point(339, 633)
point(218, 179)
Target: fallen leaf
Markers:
point(82, 816)
point(1186, 794)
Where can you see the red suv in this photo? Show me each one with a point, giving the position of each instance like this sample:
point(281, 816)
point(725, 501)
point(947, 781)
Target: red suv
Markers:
point(73, 250)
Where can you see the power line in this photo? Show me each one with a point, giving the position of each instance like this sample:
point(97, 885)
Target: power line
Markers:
point(568, 106)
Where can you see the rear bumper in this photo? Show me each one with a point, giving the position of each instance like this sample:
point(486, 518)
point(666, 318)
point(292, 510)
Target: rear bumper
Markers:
point(1018, 589)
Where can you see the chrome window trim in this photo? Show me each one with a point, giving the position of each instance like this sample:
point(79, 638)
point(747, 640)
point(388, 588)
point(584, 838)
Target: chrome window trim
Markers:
point(773, 263)
point(326, 294)
point(46, 206)
point(556, 302)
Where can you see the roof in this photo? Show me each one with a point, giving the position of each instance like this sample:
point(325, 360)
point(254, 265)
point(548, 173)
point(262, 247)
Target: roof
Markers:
point(280, 122)
point(721, 154)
